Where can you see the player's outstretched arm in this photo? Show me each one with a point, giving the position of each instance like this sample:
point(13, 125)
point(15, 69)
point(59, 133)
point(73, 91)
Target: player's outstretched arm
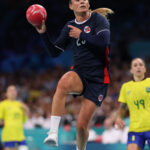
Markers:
point(49, 46)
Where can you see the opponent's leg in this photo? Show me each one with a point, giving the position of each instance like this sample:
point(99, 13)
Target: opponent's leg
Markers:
point(70, 82)
point(85, 115)
point(133, 147)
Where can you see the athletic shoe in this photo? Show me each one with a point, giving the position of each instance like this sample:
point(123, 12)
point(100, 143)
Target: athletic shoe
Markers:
point(51, 140)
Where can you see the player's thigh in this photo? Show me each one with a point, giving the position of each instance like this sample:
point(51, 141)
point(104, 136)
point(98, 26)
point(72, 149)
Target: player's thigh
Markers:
point(133, 146)
point(86, 112)
point(136, 141)
point(70, 82)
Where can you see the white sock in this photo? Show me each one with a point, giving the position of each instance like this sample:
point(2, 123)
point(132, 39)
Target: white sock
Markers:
point(23, 147)
point(54, 124)
point(78, 148)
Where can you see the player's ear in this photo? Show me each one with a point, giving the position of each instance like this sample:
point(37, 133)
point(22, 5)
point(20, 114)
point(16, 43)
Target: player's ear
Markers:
point(70, 6)
point(131, 71)
point(89, 3)
point(144, 70)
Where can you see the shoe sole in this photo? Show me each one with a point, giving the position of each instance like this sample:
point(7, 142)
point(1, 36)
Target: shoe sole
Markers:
point(50, 143)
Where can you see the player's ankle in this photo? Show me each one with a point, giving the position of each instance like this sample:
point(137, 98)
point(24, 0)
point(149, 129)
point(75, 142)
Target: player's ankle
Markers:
point(79, 149)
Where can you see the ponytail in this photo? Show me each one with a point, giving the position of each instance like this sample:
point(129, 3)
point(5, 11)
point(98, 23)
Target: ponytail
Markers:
point(103, 11)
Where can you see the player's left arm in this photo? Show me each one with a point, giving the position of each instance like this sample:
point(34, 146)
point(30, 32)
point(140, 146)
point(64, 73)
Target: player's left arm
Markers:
point(101, 38)
point(122, 108)
point(25, 108)
point(119, 123)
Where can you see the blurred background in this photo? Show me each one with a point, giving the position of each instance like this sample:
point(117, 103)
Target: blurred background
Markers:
point(25, 63)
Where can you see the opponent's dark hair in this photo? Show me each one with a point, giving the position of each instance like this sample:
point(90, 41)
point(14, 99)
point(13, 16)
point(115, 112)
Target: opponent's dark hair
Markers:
point(138, 58)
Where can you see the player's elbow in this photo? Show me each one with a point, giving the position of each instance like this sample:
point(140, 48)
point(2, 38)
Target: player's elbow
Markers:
point(54, 55)
point(105, 43)
point(104, 38)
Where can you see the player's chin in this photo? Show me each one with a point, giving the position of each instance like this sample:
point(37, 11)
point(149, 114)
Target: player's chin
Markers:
point(82, 10)
point(139, 74)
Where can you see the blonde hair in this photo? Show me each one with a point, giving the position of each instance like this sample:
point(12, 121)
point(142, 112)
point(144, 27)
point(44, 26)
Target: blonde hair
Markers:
point(103, 11)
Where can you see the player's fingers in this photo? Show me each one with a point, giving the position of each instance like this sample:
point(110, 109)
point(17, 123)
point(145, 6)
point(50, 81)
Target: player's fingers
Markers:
point(70, 26)
point(71, 30)
point(116, 126)
point(122, 124)
point(119, 125)
point(43, 23)
point(39, 27)
point(70, 34)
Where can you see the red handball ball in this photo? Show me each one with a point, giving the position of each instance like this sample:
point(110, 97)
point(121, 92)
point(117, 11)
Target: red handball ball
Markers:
point(35, 14)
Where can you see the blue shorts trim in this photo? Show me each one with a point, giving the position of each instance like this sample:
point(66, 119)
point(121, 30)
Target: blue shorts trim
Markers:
point(139, 138)
point(13, 144)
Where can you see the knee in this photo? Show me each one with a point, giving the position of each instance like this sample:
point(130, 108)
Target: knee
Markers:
point(63, 87)
point(65, 83)
point(81, 126)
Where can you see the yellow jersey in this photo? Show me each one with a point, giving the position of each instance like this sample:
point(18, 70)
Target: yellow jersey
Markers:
point(137, 96)
point(13, 115)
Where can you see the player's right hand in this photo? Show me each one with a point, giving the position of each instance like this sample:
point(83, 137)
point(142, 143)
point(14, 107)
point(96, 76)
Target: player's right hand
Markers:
point(42, 28)
point(119, 123)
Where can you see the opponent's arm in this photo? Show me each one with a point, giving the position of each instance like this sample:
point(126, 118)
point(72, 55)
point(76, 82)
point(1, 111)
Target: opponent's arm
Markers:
point(25, 108)
point(119, 123)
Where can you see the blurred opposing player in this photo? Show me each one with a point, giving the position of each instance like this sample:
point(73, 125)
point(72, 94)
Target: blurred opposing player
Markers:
point(14, 114)
point(136, 95)
point(89, 37)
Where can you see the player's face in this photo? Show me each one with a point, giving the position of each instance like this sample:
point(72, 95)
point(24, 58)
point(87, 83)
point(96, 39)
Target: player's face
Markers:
point(11, 92)
point(138, 67)
point(79, 6)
